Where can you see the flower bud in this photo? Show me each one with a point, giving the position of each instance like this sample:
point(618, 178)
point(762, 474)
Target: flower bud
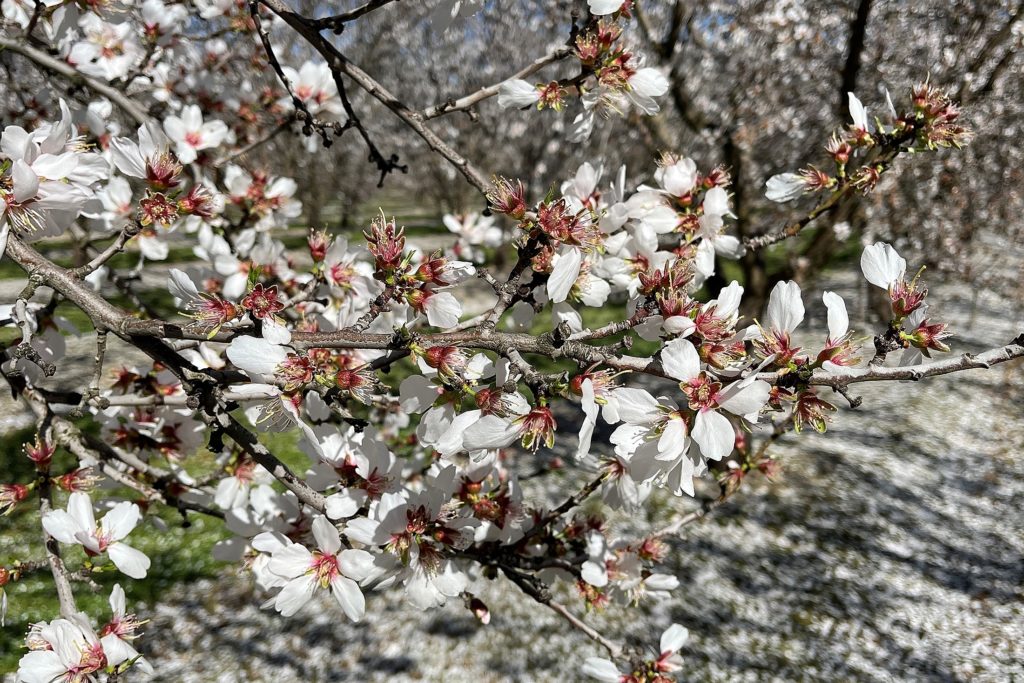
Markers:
point(319, 242)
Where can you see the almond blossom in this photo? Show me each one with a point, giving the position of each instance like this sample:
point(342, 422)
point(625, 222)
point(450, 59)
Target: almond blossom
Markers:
point(69, 650)
point(191, 135)
point(712, 431)
point(303, 572)
point(78, 525)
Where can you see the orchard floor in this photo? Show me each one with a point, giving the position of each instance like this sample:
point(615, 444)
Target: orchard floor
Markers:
point(891, 549)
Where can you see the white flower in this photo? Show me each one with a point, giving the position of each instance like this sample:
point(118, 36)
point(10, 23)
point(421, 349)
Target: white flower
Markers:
point(315, 87)
point(517, 93)
point(474, 229)
point(78, 525)
point(68, 650)
point(191, 135)
point(329, 566)
point(51, 180)
point(120, 632)
point(151, 152)
point(162, 20)
point(711, 430)
point(881, 265)
point(678, 178)
point(108, 50)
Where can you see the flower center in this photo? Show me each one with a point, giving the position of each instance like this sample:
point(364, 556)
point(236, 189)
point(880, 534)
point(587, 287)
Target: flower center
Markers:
point(324, 567)
point(702, 393)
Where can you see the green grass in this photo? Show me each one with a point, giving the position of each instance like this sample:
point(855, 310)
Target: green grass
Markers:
point(180, 550)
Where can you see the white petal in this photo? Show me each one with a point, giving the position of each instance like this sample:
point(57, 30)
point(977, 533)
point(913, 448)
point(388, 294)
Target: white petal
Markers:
point(673, 639)
point(451, 441)
point(294, 595)
point(785, 307)
point(679, 325)
point(716, 202)
point(117, 601)
point(517, 93)
point(443, 310)
point(61, 526)
point(130, 561)
point(838, 319)
point(680, 360)
point(679, 178)
point(785, 187)
point(356, 564)
point(857, 112)
point(650, 82)
point(41, 666)
point(881, 264)
point(256, 355)
point(590, 411)
point(728, 301)
point(326, 535)
point(597, 668)
point(594, 574)
point(714, 434)
point(490, 431)
point(121, 519)
point(26, 182)
point(745, 399)
point(275, 332)
point(341, 505)
point(348, 595)
point(636, 406)
point(602, 7)
point(127, 157)
point(417, 394)
point(80, 507)
point(563, 275)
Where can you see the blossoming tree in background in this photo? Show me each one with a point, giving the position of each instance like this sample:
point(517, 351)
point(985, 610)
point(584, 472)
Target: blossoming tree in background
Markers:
point(419, 416)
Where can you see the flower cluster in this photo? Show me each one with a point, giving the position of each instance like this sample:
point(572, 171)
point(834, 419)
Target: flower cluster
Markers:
point(934, 122)
point(420, 423)
point(612, 76)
